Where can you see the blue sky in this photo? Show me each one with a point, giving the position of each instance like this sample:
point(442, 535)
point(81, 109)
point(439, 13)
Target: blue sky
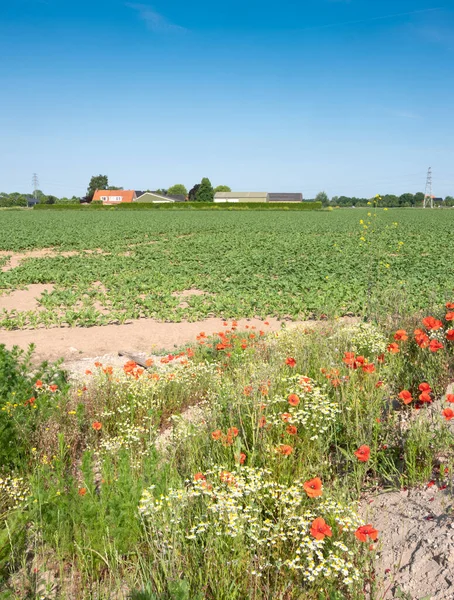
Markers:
point(349, 96)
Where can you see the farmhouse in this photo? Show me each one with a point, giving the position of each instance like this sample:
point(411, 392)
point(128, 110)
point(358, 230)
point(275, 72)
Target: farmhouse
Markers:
point(114, 196)
point(241, 197)
point(158, 198)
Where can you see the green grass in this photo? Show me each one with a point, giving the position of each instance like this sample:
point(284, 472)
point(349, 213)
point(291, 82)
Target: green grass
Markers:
point(282, 264)
point(102, 512)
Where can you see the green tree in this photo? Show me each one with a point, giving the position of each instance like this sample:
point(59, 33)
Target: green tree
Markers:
point(97, 182)
point(407, 199)
point(323, 198)
point(161, 191)
point(177, 190)
point(205, 193)
point(419, 199)
point(449, 201)
point(222, 188)
point(192, 196)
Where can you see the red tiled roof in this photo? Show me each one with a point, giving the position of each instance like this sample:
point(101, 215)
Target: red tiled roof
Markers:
point(126, 195)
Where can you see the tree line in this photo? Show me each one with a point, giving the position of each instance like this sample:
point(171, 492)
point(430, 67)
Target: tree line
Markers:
point(406, 200)
point(204, 192)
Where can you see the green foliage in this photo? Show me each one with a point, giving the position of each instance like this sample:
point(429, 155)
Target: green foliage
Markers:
point(19, 411)
point(205, 193)
point(192, 195)
point(12, 200)
point(275, 206)
point(300, 263)
point(222, 188)
point(323, 198)
point(177, 190)
point(97, 182)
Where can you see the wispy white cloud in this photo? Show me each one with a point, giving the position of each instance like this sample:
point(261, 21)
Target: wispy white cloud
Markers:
point(370, 19)
point(405, 114)
point(154, 20)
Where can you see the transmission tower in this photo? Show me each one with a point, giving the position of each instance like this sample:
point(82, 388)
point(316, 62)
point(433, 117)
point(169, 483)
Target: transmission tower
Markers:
point(35, 182)
point(428, 197)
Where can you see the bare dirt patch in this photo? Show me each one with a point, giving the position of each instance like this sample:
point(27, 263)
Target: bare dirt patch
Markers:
point(16, 258)
point(417, 542)
point(187, 293)
point(23, 300)
point(142, 335)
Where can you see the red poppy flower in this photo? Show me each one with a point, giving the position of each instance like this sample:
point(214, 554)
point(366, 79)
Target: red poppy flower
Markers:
point(393, 348)
point(97, 426)
point(363, 453)
point(379, 384)
point(381, 358)
point(242, 458)
point(365, 531)
point(425, 397)
point(266, 323)
point(313, 487)
point(285, 417)
point(320, 529)
point(350, 360)
point(450, 316)
point(82, 491)
point(39, 384)
point(233, 431)
point(450, 335)
point(448, 414)
point(53, 387)
point(424, 387)
point(98, 364)
point(450, 305)
point(284, 449)
point(293, 400)
point(216, 435)
point(432, 323)
point(88, 372)
point(405, 396)
point(262, 422)
point(401, 335)
point(435, 346)
point(421, 338)
point(199, 477)
point(450, 398)
point(291, 430)
point(369, 368)
point(291, 362)
point(360, 360)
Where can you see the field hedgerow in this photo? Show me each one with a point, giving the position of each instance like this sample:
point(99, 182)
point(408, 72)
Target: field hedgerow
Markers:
point(232, 469)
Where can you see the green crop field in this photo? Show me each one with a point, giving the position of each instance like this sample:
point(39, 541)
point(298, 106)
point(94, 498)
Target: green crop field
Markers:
point(128, 265)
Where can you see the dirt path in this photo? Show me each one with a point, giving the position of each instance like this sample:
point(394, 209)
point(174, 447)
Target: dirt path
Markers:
point(143, 335)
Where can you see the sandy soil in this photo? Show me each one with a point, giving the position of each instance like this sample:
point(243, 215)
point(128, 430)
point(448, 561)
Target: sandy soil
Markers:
point(27, 299)
point(16, 258)
point(417, 542)
point(143, 335)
